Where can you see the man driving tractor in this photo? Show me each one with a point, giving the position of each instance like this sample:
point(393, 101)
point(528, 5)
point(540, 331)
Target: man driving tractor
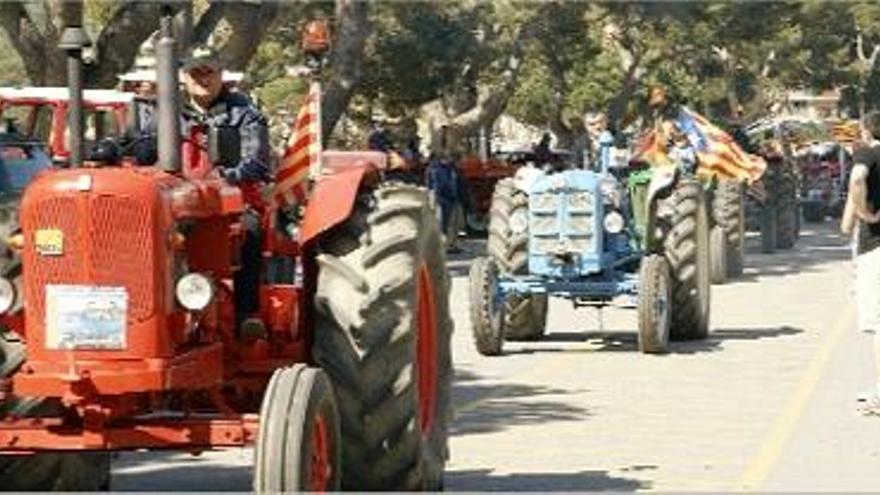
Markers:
point(208, 103)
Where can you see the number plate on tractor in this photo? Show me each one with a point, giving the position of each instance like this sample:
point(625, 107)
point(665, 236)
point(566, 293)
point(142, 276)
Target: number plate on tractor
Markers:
point(85, 317)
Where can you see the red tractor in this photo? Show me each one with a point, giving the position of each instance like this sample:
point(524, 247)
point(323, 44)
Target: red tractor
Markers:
point(40, 114)
point(481, 175)
point(127, 338)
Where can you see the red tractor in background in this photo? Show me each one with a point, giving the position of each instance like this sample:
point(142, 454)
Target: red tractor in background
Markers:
point(127, 336)
point(823, 169)
point(481, 175)
point(40, 114)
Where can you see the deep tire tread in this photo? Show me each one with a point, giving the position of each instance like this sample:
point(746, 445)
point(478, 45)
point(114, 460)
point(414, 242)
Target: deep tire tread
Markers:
point(365, 337)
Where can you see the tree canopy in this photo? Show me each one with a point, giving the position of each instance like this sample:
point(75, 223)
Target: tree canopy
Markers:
point(459, 64)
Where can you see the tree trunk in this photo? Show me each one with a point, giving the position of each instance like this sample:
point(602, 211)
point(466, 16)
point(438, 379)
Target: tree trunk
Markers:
point(617, 107)
point(490, 103)
point(240, 31)
point(345, 65)
point(34, 29)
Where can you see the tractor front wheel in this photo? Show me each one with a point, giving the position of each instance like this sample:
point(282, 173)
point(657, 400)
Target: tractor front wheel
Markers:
point(383, 336)
point(487, 323)
point(654, 304)
point(298, 446)
point(787, 230)
point(718, 263)
point(769, 229)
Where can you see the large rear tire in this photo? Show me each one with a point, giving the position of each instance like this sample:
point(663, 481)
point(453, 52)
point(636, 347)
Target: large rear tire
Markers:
point(382, 335)
point(728, 210)
point(786, 207)
point(654, 305)
point(686, 249)
point(525, 317)
point(769, 239)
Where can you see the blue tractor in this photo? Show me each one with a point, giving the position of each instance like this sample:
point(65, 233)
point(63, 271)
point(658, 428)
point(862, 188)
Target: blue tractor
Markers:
point(591, 236)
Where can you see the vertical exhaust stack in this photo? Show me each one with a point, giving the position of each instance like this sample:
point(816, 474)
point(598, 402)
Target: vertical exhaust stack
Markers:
point(168, 114)
point(73, 41)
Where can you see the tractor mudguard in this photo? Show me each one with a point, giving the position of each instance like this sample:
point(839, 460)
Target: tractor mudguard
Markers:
point(331, 202)
point(662, 182)
point(333, 196)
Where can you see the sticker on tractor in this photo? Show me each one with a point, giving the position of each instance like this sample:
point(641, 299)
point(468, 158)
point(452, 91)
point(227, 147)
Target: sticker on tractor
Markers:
point(86, 317)
point(49, 242)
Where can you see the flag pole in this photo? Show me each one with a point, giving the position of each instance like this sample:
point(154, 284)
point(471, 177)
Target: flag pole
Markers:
point(318, 163)
point(316, 45)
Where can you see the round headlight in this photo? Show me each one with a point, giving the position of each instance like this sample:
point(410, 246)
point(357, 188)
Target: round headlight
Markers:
point(519, 222)
point(194, 291)
point(613, 223)
point(7, 295)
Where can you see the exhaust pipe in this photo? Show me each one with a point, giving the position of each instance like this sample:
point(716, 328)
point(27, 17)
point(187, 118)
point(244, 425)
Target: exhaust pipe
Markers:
point(73, 41)
point(168, 114)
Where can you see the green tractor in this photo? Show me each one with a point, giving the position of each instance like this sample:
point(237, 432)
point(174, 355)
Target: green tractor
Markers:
point(724, 200)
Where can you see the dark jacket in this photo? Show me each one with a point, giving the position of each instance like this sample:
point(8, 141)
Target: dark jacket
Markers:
point(235, 110)
point(442, 178)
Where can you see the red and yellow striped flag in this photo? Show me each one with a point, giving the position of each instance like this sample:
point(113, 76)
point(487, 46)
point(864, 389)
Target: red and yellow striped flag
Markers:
point(302, 154)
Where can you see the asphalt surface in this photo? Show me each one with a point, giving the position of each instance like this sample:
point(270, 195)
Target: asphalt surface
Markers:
point(766, 403)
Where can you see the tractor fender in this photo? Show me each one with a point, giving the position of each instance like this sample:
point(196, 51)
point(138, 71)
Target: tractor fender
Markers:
point(662, 183)
point(332, 199)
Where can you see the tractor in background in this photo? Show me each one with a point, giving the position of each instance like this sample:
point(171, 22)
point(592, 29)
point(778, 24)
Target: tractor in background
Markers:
point(773, 207)
point(40, 114)
point(128, 340)
point(823, 169)
point(590, 236)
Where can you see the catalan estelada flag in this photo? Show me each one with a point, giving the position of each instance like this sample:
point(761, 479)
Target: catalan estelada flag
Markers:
point(302, 155)
point(717, 153)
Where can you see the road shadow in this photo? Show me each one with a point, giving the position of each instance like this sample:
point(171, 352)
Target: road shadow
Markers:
point(459, 263)
point(627, 341)
point(818, 246)
point(159, 471)
point(485, 407)
point(581, 481)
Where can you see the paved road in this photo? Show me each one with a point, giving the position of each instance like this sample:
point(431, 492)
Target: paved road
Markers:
point(766, 403)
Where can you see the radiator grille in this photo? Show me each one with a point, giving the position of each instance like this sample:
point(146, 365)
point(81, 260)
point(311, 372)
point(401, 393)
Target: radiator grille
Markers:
point(56, 213)
point(121, 250)
point(117, 250)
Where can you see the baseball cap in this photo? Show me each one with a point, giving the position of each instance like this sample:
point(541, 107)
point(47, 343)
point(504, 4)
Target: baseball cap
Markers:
point(202, 56)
